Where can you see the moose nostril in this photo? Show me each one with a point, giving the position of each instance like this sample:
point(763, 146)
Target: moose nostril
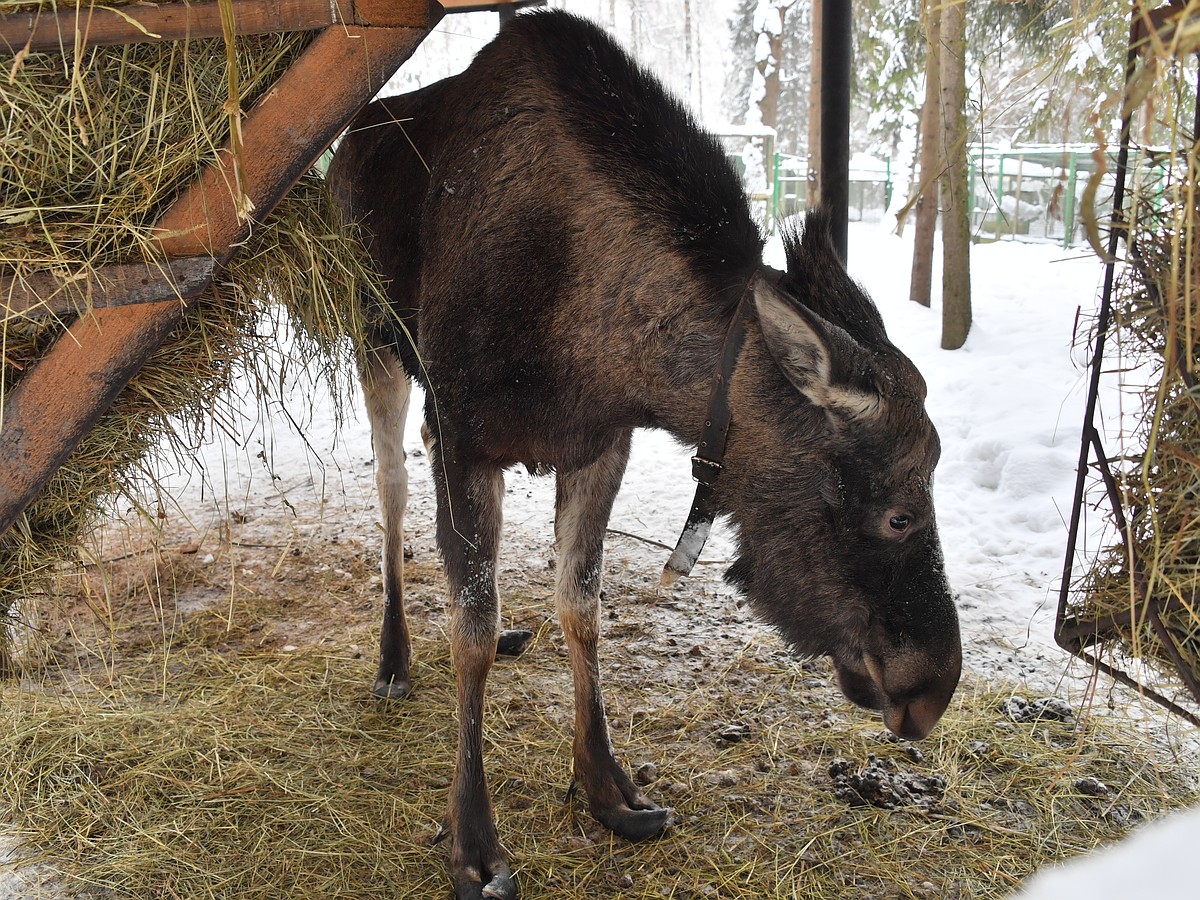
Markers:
point(913, 721)
point(911, 712)
point(875, 670)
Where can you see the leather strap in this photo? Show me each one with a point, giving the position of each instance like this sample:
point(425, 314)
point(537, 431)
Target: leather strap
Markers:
point(709, 461)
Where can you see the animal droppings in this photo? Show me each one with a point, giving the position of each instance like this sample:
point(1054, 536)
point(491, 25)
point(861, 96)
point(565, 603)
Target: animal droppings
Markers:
point(1052, 709)
point(880, 784)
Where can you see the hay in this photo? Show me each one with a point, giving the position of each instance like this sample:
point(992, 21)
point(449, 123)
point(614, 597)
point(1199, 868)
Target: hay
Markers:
point(1156, 326)
point(93, 150)
point(268, 775)
point(184, 757)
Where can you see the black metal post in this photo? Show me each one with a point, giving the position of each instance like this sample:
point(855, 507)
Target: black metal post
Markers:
point(837, 56)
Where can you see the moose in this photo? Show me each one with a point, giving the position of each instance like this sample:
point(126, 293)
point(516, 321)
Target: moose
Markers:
point(568, 256)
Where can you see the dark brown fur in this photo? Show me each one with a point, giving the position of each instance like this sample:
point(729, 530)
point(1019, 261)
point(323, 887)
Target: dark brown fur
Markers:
point(568, 248)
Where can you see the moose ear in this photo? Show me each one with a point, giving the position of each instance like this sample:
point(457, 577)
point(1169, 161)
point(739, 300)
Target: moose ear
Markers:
point(807, 348)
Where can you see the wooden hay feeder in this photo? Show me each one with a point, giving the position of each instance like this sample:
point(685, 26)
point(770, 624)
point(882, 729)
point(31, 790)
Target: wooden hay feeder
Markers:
point(359, 45)
point(120, 313)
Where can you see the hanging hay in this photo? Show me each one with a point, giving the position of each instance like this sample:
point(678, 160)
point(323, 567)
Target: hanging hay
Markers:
point(1158, 316)
point(93, 149)
point(1156, 488)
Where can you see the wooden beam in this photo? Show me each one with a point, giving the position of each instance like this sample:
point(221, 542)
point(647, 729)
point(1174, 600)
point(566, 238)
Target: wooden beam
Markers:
point(464, 6)
point(283, 136)
point(42, 31)
point(49, 294)
point(57, 401)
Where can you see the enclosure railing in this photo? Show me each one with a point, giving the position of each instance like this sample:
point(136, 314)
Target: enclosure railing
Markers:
point(1026, 192)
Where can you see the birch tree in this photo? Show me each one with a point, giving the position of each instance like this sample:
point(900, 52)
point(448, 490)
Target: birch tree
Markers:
point(813, 186)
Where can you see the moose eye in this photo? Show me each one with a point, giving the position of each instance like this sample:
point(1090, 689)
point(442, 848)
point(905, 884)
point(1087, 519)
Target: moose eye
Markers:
point(899, 523)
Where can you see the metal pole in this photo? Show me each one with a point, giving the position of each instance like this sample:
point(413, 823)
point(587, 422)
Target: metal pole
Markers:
point(837, 53)
point(1069, 202)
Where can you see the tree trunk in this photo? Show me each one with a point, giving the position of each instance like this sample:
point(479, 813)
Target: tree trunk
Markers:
point(813, 192)
point(956, 222)
point(926, 208)
point(768, 106)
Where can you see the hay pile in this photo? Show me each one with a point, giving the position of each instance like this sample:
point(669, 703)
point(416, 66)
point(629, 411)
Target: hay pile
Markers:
point(187, 756)
point(1157, 321)
point(1155, 492)
point(91, 152)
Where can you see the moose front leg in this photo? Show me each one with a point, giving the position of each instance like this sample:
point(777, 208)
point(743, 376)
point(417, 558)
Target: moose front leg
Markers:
point(386, 389)
point(469, 520)
point(584, 502)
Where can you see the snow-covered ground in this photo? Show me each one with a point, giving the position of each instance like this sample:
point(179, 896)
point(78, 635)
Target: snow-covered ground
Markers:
point(1156, 863)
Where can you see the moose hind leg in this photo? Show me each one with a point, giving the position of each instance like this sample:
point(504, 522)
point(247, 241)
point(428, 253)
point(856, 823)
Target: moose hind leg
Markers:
point(386, 390)
point(584, 502)
point(469, 520)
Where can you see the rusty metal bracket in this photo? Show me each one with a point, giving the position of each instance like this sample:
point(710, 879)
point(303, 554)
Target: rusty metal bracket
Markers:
point(45, 294)
point(58, 400)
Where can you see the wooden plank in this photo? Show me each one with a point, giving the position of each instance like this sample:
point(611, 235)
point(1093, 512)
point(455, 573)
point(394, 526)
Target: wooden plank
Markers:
point(44, 31)
point(41, 31)
point(282, 137)
point(47, 294)
point(57, 401)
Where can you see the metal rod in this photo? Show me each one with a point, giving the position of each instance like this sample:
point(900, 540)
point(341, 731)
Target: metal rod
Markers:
point(52, 294)
point(837, 55)
point(1078, 631)
point(1164, 637)
point(1126, 680)
point(1072, 634)
point(1102, 325)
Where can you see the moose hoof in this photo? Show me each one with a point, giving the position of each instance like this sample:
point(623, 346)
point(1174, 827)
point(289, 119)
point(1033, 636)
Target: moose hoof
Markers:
point(502, 887)
point(392, 688)
point(635, 824)
point(512, 643)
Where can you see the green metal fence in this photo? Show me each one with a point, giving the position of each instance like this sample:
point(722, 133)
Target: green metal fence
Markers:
point(1029, 192)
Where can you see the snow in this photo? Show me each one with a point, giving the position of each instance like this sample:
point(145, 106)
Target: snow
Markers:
point(1155, 862)
point(1008, 407)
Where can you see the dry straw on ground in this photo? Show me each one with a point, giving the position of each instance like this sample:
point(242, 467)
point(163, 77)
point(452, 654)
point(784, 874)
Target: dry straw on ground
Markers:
point(92, 149)
point(187, 755)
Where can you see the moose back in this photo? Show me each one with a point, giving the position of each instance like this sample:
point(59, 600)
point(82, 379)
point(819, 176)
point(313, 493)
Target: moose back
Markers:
point(568, 257)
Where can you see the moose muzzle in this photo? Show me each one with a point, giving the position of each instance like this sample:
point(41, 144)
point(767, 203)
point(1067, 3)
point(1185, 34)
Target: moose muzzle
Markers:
point(910, 687)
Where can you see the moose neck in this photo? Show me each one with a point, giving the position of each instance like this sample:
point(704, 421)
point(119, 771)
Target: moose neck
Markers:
point(689, 344)
point(709, 461)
